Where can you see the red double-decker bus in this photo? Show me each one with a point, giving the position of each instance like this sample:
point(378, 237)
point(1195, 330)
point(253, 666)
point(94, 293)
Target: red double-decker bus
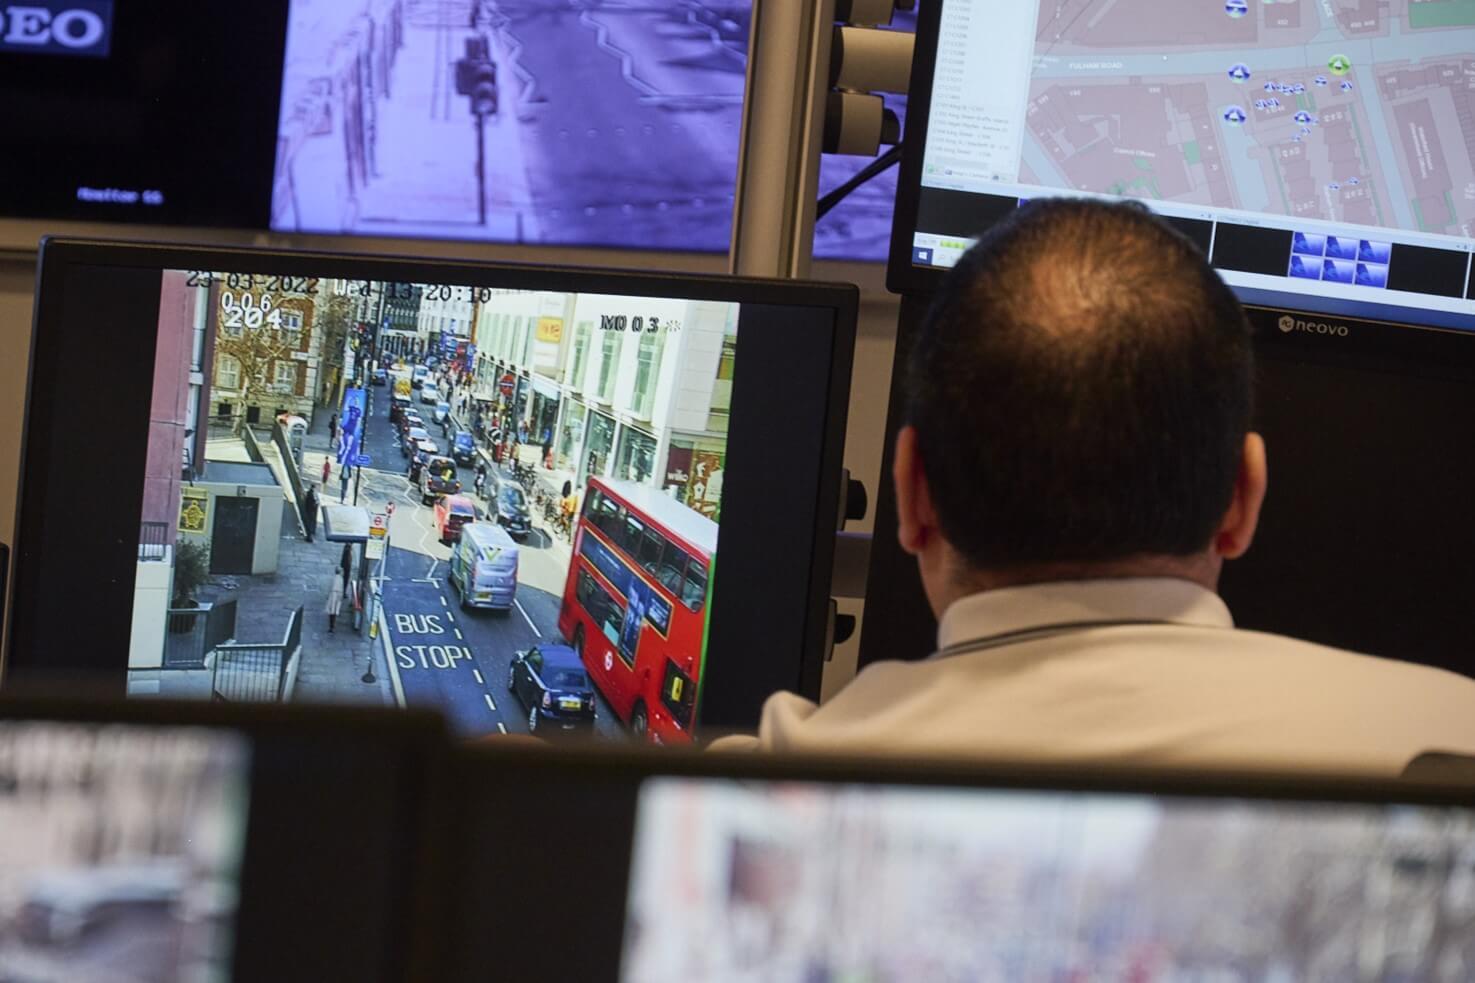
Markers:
point(634, 604)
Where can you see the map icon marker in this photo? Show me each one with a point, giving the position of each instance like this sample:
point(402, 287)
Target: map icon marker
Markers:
point(1320, 80)
point(1239, 72)
point(1236, 8)
point(1339, 64)
point(1234, 115)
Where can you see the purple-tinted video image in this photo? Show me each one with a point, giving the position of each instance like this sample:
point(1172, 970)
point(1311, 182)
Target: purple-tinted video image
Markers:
point(1338, 270)
point(1341, 247)
point(1372, 275)
point(540, 121)
point(120, 854)
point(1374, 252)
point(1308, 243)
point(792, 883)
point(1305, 267)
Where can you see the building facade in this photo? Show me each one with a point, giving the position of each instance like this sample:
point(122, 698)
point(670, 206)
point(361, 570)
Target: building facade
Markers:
point(632, 388)
point(268, 348)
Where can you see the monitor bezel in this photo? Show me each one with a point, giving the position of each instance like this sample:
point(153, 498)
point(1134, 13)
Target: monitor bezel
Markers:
point(24, 639)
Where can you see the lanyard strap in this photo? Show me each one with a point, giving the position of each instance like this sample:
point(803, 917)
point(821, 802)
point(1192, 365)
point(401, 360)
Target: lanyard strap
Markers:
point(1035, 634)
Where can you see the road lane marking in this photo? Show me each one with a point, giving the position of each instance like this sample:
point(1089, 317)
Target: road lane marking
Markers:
point(518, 604)
point(459, 636)
point(449, 613)
point(501, 727)
point(477, 674)
point(443, 601)
point(490, 704)
point(399, 689)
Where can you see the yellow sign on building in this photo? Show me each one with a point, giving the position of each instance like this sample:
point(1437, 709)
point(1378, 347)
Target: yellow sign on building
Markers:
point(194, 510)
point(550, 329)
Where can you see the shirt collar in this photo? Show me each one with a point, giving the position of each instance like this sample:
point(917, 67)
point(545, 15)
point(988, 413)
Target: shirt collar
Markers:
point(1011, 610)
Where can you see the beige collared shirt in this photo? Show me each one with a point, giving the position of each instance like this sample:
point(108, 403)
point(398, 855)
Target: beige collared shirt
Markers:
point(1149, 671)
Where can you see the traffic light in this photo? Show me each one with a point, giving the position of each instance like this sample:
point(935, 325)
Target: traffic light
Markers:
point(476, 77)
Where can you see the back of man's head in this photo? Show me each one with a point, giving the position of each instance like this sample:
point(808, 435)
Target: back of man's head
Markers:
point(1081, 391)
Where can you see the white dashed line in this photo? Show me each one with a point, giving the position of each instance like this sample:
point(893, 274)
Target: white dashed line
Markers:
point(501, 727)
point(477, 674)
point(518, 604)
point(490, 705)
point(459, 636)
point(443, 601)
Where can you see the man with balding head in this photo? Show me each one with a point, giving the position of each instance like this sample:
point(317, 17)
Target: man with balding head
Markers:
point(1076, 466)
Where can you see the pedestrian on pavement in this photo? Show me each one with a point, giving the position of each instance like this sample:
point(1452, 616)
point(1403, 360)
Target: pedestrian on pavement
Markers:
point(343, 483)
point(445, 426)
point(327, 469)
point(345, 564)
point(481, 480)
point(335, 600)
point(547, 457)
point(310, 512)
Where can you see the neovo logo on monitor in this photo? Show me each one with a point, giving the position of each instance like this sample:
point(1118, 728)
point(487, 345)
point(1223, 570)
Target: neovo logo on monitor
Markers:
point(1289, 324)
point(57, 27)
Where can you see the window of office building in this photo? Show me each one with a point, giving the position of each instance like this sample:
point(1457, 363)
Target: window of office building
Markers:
point(636, 459)
point(647, 371)
point(609, 356)
point(228, 372)
point(579, 355)
point(722, 387)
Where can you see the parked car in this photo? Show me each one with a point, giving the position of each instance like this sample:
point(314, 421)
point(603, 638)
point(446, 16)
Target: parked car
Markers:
point(441, 412)
point(379, 377)
point(483, 567)
point(418, 375)
point(551, 683)
point(452, 513)
point(429, 394)
point(413, 436)
point(424, 450)
point(511, 504)
point(463, 448)
point(438, 477)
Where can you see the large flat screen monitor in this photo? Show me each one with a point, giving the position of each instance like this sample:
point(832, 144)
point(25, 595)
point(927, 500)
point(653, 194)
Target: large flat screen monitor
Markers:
point(1321, 159)
point(750, 867)
point(199, 843)
point(536, 499)
point(158, 112)
point(1322, 156)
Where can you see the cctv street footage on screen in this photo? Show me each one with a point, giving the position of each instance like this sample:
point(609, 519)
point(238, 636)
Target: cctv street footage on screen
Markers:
point(501, 504)
point(1323, 151)
point(758, 881)
point(121, 852)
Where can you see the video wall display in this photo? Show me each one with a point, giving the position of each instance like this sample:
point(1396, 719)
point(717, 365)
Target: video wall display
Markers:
point(759, 880)
point(159, 112)
point(1327, 154)
point(576, 125)
point(122, 851)
point(502, 504)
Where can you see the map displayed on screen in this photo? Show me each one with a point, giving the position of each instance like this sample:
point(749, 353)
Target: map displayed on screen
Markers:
point(1343, 110)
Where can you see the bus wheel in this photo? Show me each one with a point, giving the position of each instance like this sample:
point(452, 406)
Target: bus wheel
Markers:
point(533, 720)
point(639, 724)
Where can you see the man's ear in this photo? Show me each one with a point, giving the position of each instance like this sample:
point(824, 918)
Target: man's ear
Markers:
point(1237, 530)
point(916, 519)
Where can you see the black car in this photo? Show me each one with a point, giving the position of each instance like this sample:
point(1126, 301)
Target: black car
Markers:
point(438, 477)
point(511, 507)
point(398, 403)
point(551, 682)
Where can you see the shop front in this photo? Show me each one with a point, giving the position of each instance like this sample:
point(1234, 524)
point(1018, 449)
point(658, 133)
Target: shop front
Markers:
point(693, 473)
point(570, 435)
point(601, 438)
point(636, 458)
point(543, 417)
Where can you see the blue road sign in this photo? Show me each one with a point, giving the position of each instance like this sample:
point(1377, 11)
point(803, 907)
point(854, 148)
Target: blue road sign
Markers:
point(362, 461)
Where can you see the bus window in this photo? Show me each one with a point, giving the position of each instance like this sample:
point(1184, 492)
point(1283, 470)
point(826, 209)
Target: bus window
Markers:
point(679, 695)
point(672, 567)
point(628, 538)
point(604, 610)
point(694, 588)
point(649, 555)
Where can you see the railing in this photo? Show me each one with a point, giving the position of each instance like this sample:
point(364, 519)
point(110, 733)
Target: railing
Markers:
point(153, 541)
point(195, 632)
point(257, 673)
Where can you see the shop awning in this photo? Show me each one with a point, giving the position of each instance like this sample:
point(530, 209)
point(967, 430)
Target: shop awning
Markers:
point(346, 523)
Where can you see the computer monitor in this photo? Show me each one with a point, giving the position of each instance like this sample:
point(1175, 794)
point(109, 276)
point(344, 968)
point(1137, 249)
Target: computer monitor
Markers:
point(1317, 159)
point(537, 499)
point(196, 842)
point(753, 867)
point(160, 112)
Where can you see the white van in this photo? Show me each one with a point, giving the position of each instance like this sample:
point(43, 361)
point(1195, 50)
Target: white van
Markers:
point(484, 567)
